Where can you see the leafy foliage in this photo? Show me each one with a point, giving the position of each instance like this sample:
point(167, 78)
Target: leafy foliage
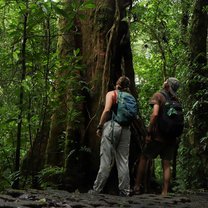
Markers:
point(39, 73)
point(48, 175)
point(160, 49)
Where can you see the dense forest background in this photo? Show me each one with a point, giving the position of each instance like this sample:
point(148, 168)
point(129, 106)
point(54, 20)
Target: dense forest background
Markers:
point(59, 58)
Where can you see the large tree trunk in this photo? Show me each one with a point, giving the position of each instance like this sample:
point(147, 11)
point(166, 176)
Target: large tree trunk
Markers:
point(186, 13)
point(68, 120)
point(198, 85)
point(199, 73)
point(105, 53)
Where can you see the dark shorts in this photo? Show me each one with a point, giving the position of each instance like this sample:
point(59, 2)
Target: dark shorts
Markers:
point(154, 148)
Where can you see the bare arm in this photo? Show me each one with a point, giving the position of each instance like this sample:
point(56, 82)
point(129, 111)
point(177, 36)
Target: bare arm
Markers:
point(106, 111)
point(153, 117)
point(108, 105)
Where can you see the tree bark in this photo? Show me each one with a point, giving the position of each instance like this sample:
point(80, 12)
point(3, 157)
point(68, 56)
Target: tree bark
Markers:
point(100, 43)
point(198, 64)
point(198, 86)
point(110, 56)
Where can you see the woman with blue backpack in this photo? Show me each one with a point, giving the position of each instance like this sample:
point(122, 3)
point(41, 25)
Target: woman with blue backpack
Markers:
point(114, 130)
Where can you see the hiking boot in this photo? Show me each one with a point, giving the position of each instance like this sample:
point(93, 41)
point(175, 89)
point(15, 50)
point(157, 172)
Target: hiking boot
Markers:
point(138, 190)
point(93, 192)
point(123, 193)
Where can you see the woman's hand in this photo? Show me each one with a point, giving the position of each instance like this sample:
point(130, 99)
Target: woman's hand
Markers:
point(99, 129)
point(99, 132)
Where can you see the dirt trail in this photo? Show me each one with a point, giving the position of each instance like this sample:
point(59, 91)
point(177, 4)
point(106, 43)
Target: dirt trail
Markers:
point(55, 198)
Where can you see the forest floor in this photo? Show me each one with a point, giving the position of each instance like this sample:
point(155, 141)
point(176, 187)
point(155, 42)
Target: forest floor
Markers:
point(56, 198)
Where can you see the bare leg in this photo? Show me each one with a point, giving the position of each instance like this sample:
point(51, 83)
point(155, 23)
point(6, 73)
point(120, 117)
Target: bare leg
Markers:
point(166, 176)
point(140, 173)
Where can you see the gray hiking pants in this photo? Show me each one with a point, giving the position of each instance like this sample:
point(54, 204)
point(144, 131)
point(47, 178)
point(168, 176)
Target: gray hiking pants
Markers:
point(114, 146)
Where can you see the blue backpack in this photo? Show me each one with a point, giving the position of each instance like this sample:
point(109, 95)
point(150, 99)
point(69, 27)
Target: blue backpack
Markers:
point(126, 108)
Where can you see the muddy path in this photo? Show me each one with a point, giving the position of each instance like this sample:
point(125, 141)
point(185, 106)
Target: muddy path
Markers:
point(56, 198)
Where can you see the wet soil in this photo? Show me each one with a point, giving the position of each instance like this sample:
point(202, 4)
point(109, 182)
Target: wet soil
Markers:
point(55, 198)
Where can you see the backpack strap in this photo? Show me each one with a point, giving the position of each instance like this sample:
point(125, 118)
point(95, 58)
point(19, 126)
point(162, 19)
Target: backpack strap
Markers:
point(115, 94)
point(115, 102)
point(166, 95)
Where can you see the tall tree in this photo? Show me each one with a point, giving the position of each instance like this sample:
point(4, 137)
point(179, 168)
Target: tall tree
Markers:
point(21, 95)
point(198, 85)
point(101, 38)
point(198, 64)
